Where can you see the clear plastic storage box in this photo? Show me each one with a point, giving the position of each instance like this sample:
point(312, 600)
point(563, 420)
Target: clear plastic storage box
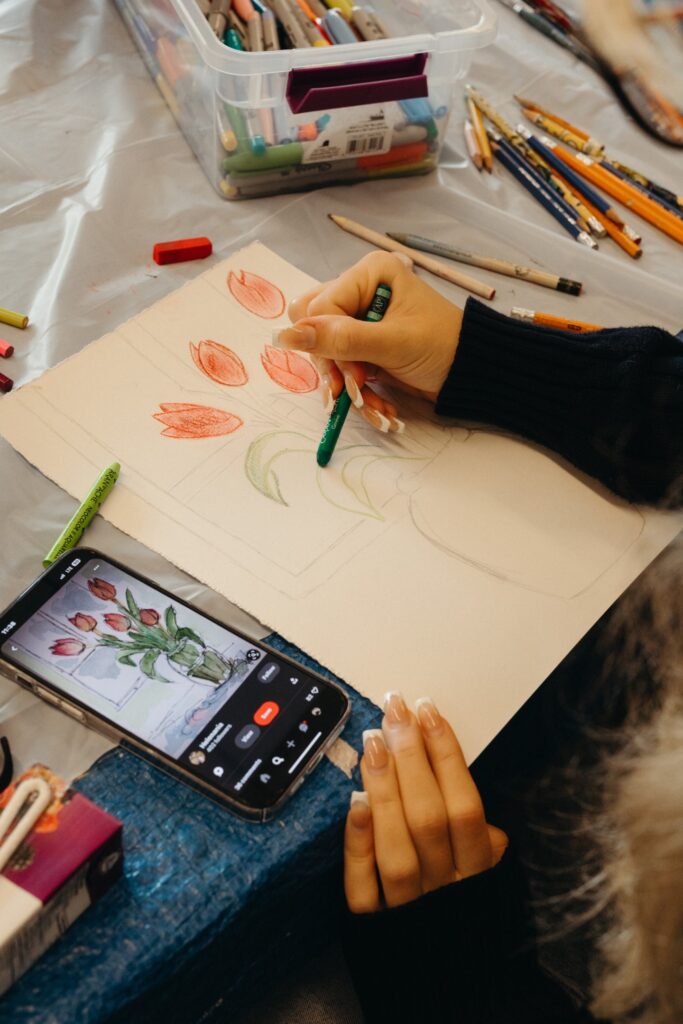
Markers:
point(286, 120)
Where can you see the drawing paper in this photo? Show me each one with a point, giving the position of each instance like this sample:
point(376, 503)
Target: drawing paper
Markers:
point(458, 563)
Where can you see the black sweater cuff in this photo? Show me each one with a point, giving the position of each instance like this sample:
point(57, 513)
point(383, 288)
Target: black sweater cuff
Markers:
point(610, 401)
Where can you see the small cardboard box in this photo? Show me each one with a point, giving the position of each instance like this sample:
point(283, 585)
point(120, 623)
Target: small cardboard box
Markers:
point(70, 858)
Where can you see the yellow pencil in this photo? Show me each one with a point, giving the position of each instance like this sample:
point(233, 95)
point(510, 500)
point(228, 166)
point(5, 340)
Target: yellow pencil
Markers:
point(480, 134)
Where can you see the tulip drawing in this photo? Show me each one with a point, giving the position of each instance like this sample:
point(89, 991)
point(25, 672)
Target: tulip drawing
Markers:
point(120, 623)
point(84, 622)
point(290, 370)
point(68, 647)
point(148, 617)
point(195, 421)
point(256, 295)
point(219, 363)
point(100, 588)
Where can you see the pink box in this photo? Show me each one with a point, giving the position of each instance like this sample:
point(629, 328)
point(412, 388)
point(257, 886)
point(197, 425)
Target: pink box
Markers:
point(69, 860)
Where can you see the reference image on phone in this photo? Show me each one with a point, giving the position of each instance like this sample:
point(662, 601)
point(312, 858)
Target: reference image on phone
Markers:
point(241, 722)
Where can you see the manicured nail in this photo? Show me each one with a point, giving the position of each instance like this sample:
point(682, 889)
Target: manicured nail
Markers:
point(429, 718)
point(395, 710)
point(397, 425)
point(353, 390)
point(326, 393)
point(294, 337)
point(376, 419)
point(375, 750)
point(359, 809)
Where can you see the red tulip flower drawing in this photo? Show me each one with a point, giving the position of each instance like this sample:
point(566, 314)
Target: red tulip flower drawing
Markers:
point(120, 623)
point(148, 617)
point(84, 622)
point(219, 363)
point(290, 370)
point(69, 647)
point(100, 588)
point(195, 421)
point(256, 295)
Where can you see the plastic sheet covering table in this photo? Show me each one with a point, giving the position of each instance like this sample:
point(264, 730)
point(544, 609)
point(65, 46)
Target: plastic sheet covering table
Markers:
point(93, 172)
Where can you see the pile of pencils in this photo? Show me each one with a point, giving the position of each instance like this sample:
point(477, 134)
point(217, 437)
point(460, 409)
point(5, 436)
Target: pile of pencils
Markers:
point(572, 181)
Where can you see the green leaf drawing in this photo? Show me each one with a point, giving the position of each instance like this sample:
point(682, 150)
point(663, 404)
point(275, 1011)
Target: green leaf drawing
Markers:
point(147, 662)
point(171, 621)
point(125, 659)
point(132, 606)
point(185, 633)
point(262, 454)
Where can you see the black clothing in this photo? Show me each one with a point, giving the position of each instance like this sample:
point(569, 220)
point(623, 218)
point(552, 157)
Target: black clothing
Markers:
point(611, 403)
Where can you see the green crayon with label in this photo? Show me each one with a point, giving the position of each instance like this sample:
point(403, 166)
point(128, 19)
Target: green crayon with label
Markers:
point(328, 441)
point(274, 156)
point(86, 511)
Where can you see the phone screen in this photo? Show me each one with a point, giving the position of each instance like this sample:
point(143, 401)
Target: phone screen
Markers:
point(240, 717)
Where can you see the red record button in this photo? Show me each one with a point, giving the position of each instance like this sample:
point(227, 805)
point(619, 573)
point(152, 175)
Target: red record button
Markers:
point(266, 713)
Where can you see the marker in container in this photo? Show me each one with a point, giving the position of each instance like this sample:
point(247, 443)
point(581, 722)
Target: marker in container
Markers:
point(87, 510)
point(328, 442)
point(338, 28)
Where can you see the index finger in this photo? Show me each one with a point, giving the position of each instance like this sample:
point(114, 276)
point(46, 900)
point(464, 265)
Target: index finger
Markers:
point(352, 292)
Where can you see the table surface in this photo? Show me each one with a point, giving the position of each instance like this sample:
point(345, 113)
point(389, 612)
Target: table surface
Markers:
point(94, 171)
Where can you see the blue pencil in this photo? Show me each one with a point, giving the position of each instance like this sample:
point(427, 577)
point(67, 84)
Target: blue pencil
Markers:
point(676, 210)
point(572, 177)
point(519, 157)
point(535, 185)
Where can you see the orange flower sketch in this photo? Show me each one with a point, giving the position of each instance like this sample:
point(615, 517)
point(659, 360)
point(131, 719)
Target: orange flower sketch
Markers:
point(256, 295)
point(219, 363)
point(290, 370)
point(195, 421)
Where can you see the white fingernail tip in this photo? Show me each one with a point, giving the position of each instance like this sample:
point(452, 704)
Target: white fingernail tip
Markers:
point(388, 695)
point(359, 796)
point(399, 425)
point(424, 700)
point(382, 422)
point(353, 390)
point(371, 734)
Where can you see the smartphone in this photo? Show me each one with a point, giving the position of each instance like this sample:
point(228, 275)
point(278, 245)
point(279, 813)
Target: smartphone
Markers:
point(236, 719)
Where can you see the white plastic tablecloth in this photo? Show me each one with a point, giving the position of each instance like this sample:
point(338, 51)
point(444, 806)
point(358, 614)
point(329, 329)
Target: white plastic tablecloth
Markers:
point(94, 171)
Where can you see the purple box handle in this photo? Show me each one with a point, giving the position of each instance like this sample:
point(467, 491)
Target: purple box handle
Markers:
point(354, 85)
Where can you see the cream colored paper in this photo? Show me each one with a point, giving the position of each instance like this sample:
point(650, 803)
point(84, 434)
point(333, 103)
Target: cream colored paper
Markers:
point(461, 564)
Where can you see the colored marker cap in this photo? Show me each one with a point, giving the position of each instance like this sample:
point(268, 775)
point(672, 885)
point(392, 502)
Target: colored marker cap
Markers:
point(181, 250)
point(6, 349)
point(6, 383)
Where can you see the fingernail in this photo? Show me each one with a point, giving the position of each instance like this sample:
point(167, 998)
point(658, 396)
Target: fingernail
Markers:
point(353, 390)
point(397, 425)
point(326, 393)
point(429, 718)
point(376, 419)
point(294, 337)
point(359, 809)
point(375, 750)
point(395, 710)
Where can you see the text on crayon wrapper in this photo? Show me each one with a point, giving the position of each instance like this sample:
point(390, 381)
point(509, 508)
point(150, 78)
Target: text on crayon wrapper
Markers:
point(353, 132)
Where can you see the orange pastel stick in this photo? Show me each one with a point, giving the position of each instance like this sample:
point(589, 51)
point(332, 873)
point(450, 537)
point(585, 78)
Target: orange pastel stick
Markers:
point(408, 154)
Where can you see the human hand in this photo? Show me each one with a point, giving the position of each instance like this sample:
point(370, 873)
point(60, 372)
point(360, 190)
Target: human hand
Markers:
point(420, 823)
point(412, 346)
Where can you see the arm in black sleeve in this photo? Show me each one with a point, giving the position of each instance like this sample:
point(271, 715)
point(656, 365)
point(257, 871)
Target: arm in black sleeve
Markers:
point(611, 401)
point(458, 955)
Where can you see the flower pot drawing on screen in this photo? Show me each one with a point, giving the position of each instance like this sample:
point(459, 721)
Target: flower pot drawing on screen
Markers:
point(144, 638)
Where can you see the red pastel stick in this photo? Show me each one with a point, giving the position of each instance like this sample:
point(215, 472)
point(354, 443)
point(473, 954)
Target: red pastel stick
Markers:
point(6, 383)
point(181, 250)
point(6, 349)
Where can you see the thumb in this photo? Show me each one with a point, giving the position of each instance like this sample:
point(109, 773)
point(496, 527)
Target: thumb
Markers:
point(341, 338)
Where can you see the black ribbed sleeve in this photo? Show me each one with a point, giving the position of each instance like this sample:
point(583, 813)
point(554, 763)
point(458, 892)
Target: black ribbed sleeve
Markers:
point(611, 401)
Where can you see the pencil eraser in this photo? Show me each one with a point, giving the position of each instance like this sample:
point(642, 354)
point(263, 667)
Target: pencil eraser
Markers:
point(6, 383)
point(182, 249)
point(6, 349)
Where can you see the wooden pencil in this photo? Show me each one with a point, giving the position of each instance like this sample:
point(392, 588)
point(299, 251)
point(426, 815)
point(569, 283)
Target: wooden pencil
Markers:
point(473, 146)
point(470, 284)
point(480, 133)
point(590, 147)
point(492, 263)
point(646, 208)
point(532, 105)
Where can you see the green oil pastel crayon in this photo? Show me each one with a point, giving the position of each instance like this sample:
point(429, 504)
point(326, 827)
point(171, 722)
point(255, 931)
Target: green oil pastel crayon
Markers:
point(86, 511)
point(275, 156)
point(328, 441)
